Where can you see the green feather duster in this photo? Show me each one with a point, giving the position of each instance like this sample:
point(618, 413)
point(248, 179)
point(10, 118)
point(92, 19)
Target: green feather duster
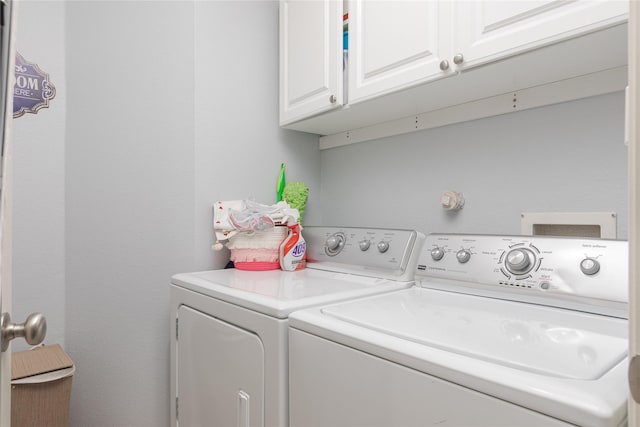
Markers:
point(280, 185)
point(295, 194)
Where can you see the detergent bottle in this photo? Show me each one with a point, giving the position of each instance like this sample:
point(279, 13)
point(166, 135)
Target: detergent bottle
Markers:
point(293, 250)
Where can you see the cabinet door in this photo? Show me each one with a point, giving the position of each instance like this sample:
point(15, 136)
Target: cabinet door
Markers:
point(395, 44)
point(494, 29)
point(220, 373)
point(310, 58)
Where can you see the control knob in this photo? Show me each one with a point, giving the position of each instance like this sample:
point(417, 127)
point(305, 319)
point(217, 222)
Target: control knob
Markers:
point(334, 244)
point(364, 245)
point(463, 256)
point(520, 261)
point(383, 246)
point(437, 254)
point(589, 266)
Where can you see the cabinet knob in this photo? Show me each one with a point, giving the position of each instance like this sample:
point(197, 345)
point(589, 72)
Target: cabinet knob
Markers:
point(332, 99)
point(458, 59)
point(444, 65)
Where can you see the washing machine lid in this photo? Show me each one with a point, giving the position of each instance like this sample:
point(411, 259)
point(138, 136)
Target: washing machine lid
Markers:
point(543, 340)
point(277, 293)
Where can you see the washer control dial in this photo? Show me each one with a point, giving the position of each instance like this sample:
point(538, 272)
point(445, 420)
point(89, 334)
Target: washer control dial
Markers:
point(520, 261)
point(437, 254)
point(383, 246)
point(364, 245)
point(589, 266)
point(334, 244)
point(463, 256)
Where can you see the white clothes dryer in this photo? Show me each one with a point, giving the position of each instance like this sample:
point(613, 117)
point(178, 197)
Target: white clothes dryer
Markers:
point(498, 331)
point(229, 328)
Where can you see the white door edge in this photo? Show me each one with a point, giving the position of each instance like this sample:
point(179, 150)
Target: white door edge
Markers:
point(634, 186)
point(5, 217)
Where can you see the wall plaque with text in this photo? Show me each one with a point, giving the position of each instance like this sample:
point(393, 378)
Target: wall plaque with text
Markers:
point(32, 90)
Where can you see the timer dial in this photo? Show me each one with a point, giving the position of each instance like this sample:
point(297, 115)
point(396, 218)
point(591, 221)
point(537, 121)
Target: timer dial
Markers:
point(437, 254)
point(334, 244)
point(520, 261)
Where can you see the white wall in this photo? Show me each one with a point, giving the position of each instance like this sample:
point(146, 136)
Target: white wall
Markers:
point(565, 157)
point(38, 153)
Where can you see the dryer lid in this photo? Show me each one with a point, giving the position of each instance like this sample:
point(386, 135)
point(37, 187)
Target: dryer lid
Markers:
point(543, 340)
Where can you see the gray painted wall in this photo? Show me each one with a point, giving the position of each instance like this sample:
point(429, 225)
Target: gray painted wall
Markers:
point(129, 201)
point(565, 157)
point(165, 108)
point(186, 115)
point(239, 146)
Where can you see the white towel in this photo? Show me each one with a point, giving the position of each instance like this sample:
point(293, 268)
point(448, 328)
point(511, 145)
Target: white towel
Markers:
point(225, 227)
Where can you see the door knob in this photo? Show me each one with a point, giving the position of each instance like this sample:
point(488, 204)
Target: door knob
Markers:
point(33, 330)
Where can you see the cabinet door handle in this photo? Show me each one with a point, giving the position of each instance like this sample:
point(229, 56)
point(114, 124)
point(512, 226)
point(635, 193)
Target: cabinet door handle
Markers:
point(458, 59)
point(332, 99)
point(444, 65)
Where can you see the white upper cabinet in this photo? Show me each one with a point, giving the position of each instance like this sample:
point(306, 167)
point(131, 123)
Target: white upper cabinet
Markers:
point(490, 29)
point(394, 44)
point(310, 58)
point(407, 57)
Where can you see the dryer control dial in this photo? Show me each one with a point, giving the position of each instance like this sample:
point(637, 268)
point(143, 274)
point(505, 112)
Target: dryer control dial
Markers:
point(589, 266)
point(437, 254)
point(334, 244)
point(520, 261)
point(364, 245)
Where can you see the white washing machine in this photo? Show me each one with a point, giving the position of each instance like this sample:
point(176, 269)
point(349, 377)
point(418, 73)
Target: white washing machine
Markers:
point(498, 331)
point(229, 328)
